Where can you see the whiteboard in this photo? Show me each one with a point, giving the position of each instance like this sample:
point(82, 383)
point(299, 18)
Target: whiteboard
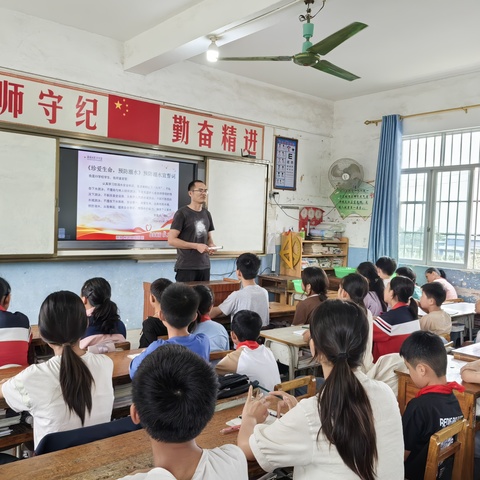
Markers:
point(237, 202)
point(27, 194)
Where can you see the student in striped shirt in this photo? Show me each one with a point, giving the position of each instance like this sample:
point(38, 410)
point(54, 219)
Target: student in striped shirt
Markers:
point(15, 336)
point(391, 328)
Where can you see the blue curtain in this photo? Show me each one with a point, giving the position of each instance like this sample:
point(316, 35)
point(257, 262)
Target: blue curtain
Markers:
point(383, 239)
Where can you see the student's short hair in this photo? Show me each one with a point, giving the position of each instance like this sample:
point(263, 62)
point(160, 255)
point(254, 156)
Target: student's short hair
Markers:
point(436, 291)
point(174, 391)
point(158, 286)
point(387, 265)
point(317, 279)
point(179, 304)
point(425, 347)
point(206, 298)
point(406, 272)
point(249, 265)
point(191, 185)
point(246, 325)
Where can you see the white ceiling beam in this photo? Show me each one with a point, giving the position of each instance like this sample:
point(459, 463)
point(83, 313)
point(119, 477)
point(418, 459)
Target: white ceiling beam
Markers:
point(186, 35)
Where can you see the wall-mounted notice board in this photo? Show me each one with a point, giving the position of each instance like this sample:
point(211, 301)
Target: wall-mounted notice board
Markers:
point(237, 202)
point(285, 171)
point(27, 194)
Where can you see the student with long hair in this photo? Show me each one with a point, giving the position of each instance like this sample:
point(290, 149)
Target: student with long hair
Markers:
point(73, 388)
point(392, 328)
point(354, 287)
point(15, 336)
point(104, 324)
point(374, 298)
point(315, 285)
point(433, 274)
point(351, 429)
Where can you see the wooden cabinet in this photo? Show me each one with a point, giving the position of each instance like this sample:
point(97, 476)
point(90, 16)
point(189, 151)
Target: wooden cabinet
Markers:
point(325, 254)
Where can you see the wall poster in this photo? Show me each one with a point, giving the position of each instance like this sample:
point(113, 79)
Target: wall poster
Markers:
point(285, 172)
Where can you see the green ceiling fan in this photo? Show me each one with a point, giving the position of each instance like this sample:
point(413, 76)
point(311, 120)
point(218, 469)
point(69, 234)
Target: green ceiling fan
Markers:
point(310, 54)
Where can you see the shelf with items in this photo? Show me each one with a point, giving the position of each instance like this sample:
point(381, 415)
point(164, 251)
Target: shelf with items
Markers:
point(326, 254)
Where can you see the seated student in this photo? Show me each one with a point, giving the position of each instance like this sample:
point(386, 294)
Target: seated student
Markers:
point(178, 308)
point(376, 289)
point(437, 275)
point(354, 287)
point(315, 285)
point(153, 327)
point(249, 358)
point(174, 398)
point(251, 296)
point(409, 273)
point(73, 388)
point(104, 324)
point(15, 336)
point(391, 328)
point(435, 405)
point(385, 268)
point(436, 321)
point(319, 436)
point(215, 332)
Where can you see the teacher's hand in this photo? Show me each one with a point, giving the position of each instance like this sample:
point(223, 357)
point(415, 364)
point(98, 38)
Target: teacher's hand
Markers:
point(202, 248)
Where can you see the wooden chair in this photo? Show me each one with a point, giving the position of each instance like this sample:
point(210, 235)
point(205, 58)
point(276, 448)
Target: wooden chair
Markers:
point(308, 381)
point(122, 345)
point(218, 355)
point(436, 454)
point(446, 336)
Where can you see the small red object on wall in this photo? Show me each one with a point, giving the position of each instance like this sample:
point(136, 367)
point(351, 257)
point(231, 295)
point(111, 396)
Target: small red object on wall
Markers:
point(314, 215)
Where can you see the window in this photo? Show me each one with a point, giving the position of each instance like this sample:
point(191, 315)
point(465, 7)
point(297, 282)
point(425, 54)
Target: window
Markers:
point(440, 200)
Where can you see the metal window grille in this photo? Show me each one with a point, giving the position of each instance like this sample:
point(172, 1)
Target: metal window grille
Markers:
point(439, 217)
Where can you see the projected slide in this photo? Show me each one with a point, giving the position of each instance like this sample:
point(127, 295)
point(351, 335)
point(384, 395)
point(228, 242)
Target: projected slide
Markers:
point(125, 198)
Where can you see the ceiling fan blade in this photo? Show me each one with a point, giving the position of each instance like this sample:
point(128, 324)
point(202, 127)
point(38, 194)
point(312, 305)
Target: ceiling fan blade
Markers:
point(328, 44)
point(332, 69)
point(255, 59)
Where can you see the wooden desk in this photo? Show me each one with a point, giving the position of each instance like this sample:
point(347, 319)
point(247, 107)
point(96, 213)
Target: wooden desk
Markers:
point(407, 390)
point(281, 313)
point(468, 353)
point(462, 312)
point(221, 290)
point(114, 457)
point(285, 346)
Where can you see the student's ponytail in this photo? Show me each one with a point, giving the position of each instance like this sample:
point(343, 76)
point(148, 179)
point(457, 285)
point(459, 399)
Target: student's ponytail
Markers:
point(62, 321)
point(403, 288)
point(105, 316)
point(339, 332)
point(76, 383)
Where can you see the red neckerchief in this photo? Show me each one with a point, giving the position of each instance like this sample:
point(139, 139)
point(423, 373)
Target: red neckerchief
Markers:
point(445, 389)
point(2, 309)
point(399, 304)
point(204, 318)
point(251, 344)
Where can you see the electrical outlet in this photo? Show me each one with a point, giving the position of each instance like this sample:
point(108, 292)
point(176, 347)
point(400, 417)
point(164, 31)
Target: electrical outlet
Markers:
point(272, 195)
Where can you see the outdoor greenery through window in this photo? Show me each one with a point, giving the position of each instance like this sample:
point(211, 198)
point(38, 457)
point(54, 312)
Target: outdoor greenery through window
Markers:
point(439, 199)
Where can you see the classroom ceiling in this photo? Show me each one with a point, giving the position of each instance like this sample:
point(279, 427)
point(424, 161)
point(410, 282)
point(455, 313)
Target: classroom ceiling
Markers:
point(407, 42)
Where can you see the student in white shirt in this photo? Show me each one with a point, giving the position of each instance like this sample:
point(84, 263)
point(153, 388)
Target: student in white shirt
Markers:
point(249, 358)
point(351, 429)
point(251, 296)
point(72, 389)
point(174, 396)
point(386, 267)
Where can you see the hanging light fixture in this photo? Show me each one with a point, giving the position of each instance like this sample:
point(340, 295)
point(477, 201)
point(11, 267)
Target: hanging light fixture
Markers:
point(212, 51)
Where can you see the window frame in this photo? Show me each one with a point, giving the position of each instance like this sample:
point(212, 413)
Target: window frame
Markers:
point(432, 174)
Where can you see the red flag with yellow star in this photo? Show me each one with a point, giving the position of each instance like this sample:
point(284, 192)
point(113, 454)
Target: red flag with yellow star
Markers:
point(133, 120)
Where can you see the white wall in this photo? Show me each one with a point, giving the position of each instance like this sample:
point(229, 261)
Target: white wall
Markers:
point(358, 141)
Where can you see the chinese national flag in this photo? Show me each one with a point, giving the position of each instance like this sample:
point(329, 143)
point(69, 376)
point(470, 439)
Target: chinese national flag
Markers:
point(133, 120)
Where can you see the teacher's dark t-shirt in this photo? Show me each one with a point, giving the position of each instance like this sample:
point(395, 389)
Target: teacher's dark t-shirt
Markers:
point(193, 227)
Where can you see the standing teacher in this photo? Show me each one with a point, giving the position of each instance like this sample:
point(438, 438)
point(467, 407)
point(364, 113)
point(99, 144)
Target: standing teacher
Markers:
point(191, 235)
